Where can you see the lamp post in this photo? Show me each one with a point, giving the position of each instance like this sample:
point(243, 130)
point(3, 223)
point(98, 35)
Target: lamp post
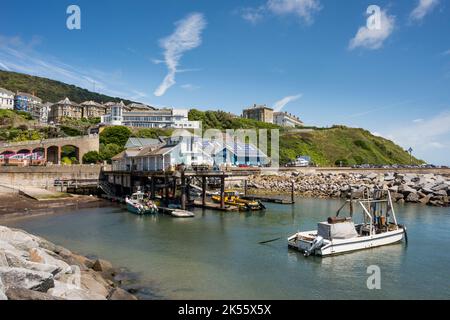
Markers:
point(410, 150)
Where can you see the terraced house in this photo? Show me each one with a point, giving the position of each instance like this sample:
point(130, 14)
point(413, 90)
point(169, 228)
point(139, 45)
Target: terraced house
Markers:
point(65, 109)
point(25, 101)
point(6, 99)
point(92, 109)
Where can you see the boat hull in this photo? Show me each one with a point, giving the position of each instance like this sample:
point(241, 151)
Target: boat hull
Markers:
point(133, 209)
point(302, 241)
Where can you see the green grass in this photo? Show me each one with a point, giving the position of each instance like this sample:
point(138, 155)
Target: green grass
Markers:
point(350, 145)
point(51, 90)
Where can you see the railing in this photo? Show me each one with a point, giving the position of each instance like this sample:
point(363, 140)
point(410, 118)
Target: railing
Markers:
point(46, 141)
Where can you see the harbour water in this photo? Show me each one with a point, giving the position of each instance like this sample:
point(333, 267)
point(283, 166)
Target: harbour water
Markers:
point(217, 256)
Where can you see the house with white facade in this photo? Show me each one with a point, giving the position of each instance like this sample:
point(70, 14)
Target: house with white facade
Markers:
point(285, 119)
point(6, 99)
point(188, 149)
point(141, 118)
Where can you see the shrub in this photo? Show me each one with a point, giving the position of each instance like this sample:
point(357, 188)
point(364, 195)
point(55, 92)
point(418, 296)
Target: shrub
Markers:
point(117, 135)
point(91, 157)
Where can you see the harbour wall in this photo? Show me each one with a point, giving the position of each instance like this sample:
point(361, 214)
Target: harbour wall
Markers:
point(45, 176)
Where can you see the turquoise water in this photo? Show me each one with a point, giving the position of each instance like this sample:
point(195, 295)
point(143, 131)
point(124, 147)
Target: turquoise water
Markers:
point(217, 255)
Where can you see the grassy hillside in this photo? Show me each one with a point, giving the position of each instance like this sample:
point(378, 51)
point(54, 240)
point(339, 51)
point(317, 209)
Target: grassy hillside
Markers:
point(50, 90)
point(349, 145)
point(224, 120)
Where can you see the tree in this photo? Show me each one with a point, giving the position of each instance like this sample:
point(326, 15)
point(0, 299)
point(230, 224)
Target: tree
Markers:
point(108, 151)
point(117, 135)
point(91, 157)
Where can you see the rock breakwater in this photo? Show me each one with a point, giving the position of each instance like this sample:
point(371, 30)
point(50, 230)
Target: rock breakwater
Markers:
point(32, 268)
point(426, 189)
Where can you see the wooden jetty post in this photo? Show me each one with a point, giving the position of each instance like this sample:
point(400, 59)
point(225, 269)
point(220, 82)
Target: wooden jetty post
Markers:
point(166, 190)
point(222, 191)
point(203, 191)
point(293, 192)
point(183, 190)
point(152, 188)
point(245, 188)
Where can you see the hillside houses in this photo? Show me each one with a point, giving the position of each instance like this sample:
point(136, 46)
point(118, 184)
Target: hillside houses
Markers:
point(188, 149)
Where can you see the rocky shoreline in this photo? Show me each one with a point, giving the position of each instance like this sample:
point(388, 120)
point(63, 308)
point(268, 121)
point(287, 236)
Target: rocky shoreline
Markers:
point(426, 189)
point(32, 268)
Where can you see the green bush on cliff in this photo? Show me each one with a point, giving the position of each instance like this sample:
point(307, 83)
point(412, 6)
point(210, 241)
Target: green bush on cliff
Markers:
point(108, 151)
point(92, 157)
point(117, 135)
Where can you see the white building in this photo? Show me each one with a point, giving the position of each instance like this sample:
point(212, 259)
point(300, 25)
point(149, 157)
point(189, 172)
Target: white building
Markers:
point(162, 118)
point(41, 111)
point(285, 119)
point(6, 99)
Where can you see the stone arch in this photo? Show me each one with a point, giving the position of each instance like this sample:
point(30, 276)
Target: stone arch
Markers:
point(38, 155)
point(53, 155)
point(70, 151)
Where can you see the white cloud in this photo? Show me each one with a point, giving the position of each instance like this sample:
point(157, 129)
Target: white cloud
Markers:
point(302, 9)
point(279, 105)
point(423, 8)
point(22, 56)
point(418, 120)
point(374, 38)
point(422, 135)
point(189, 87)
point(253, 15)
point(187, 36)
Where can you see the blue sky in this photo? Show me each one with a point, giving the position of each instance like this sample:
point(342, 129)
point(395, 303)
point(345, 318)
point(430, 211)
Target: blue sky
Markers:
point(314, 58)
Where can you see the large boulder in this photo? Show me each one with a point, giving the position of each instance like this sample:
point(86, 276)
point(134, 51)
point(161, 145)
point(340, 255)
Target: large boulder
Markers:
point(26, 294)
point(70, 292)
point(406, 189)
point(18, 239)
point(95, 284)
point(15, 260)
point(102, 265)
point(2, 291)
point(28, 279)
point(120, 294)
point(44, 256)
point(412, 197)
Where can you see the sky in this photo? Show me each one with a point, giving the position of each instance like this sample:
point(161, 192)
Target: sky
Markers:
point(328, 62)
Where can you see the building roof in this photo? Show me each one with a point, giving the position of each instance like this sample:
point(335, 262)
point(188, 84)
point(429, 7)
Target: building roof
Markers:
point(140, 106)
point(6, 91)
point(66, 101)
point(28, 95)
point(92, 104)
point(141, 142)
point(256, 107)
point(288, 115)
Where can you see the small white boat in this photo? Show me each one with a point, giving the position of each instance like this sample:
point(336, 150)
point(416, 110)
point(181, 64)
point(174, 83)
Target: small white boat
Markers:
point(178, 213)
point(379, 227)
point(137, 205)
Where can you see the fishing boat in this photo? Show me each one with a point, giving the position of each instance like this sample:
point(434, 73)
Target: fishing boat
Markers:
point(232, 198)
point(138, 205)
point(340, 235)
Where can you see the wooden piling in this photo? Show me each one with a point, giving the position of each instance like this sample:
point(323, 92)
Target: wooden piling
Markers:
point(203, 190)
point(222, 191)
point(293, 192)
point(183, 191)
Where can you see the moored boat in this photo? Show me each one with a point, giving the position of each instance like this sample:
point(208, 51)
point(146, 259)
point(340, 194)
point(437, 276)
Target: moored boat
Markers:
point(378, 227)
point(232, 198)
point(138, 205)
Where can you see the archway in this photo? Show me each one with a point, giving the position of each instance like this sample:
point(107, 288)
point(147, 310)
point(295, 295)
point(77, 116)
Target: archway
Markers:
point(53, 154)
point(70, 154)
point(5, 155)
point(38, 155)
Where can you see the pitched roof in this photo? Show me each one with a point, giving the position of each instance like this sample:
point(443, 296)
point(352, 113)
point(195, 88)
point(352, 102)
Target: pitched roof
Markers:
point(141, 142)
point(92, 104)
point(28, 95)
point(6, 91)
point(66, 101)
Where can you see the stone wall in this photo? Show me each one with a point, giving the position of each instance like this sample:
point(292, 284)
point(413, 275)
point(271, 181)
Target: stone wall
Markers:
point(44, 177)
